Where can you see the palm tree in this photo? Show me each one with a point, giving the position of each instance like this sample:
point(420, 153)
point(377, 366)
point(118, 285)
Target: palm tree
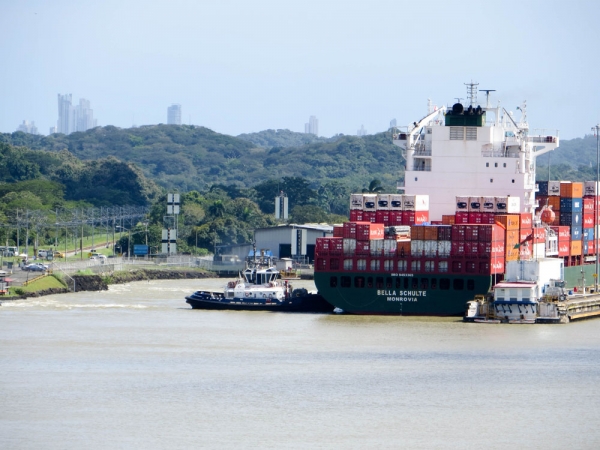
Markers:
point(374, 187)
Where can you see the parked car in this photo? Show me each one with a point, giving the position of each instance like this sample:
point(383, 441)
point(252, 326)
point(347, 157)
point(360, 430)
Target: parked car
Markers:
point(98, 257)
point(59, 255)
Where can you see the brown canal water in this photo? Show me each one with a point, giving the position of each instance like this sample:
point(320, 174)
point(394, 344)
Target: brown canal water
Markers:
point(135, 367)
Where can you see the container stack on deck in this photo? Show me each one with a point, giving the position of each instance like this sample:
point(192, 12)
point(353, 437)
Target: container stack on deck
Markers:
point(574, 205)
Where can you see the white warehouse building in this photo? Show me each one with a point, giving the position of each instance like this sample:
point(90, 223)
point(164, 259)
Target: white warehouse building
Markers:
point(291, 241)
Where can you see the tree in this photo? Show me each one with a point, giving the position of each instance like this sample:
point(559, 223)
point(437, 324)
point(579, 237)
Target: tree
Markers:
point(374, 187)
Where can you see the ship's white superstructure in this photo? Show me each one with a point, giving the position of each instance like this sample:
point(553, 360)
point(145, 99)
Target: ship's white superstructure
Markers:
point(472, 150)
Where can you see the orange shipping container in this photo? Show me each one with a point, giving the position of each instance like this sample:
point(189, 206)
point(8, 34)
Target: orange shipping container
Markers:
point(555, 203)
point(430, 233)
point(448, 220)
point(571, 189)
point(512, 237)
point(575, 248)
point(403, 248)
point(512, 254)
point(508, 221)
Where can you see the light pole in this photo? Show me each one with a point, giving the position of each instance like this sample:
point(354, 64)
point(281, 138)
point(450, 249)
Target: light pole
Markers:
point(596, 131)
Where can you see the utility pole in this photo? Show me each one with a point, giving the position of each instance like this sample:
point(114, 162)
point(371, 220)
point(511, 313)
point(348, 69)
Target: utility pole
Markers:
point(596, 130)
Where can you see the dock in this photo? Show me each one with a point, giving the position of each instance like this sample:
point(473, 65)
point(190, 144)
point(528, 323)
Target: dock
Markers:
point(576, 307)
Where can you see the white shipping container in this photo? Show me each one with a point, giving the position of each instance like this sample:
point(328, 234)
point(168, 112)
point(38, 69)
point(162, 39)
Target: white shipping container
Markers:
point(488, 204)
point(508, 205)
point(430, 248)
point(396, 202)
point(361, 264)
point(590, 188)
point(416, 203)
point(475, 204)
point(369, 202)
point(349, 246)
point(416, 248)
point(356, 201)
point(554, 188)
point(444, 248)
point(462, 203)
point(383, 202)
point(348, 264)
point(376, 247)
point(390, 246)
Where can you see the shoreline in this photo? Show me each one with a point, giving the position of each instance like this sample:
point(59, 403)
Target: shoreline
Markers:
point(101, 283)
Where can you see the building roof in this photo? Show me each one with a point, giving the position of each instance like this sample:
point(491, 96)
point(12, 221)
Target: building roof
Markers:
point(307, 226)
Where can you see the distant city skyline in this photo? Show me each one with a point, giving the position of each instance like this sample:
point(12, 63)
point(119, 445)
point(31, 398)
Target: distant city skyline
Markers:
point(72, 119)
point(312, 127)
point(28, 127)
point(243, 67)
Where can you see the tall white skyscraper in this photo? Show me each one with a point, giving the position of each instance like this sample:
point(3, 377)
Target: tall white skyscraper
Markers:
point(80, 118)
point(65, 114)
point(28, 127)
point(362, 131)
point(174, 114)
point(84, 116)
point(312, 126)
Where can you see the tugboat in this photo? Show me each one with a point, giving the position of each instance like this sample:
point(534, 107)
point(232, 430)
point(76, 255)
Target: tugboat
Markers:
point(258, 288)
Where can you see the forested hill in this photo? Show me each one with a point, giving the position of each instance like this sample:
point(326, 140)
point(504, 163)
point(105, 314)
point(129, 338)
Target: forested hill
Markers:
point(38, 179)
point(284, 138)
point(194, 158)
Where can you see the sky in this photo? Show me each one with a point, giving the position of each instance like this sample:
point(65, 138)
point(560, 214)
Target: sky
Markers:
point(239, 66)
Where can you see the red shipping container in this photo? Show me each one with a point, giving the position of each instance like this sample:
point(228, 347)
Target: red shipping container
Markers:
point(471, 249)
point(369, 216)
point(591, 247)
point(491, 233)
point(472, 232)
point(491, 249)
point(366, 231)
point(356, 215)
point(525, 252)
point(564, 247)
point(382, 217)
point(588, 221)
point(421, 217)
point(461, 217)
point(458, 232)
point(525, 220)
point(488, 218)
point(336, 246)
point(445, 233)
point(493, 267)
point(363, 247)
point(588, 205)
point(563, 232)
point(539, 235)
point(350, 230)
point(525, 235)
point(395, 218)
point(457, 248)
point(321, 264)
point(475, 217)
point(338, 231)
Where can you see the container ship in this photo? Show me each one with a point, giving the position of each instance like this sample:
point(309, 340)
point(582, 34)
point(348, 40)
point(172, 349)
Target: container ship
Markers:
point(470, 207)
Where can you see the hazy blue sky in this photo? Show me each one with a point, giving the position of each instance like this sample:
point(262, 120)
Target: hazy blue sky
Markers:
point(240, 66)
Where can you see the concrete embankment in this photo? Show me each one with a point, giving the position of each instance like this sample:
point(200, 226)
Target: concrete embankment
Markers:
point(101, 282)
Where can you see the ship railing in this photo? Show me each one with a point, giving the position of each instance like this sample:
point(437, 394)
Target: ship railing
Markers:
point(542, 136)
point(498, 154)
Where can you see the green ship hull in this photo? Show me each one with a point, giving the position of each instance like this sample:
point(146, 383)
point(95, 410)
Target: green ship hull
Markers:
point(574, 274)
point(401, 294)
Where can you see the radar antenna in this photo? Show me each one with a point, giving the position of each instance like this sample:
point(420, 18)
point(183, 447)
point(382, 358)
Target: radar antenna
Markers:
point(472, 92)
point(458, 99)
point(487, 96)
